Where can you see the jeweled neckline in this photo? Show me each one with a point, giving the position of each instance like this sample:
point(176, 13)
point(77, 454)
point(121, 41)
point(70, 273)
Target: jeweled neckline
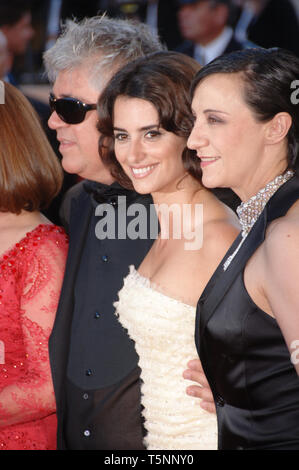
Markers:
point(249, 211)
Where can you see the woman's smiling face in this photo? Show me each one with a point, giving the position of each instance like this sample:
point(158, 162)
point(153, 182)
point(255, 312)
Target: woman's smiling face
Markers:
point(227, 137)
point(149, 155)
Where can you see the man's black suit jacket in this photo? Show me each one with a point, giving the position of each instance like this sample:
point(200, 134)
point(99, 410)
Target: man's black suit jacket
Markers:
point(168, 28)
point(78, 215)
point(276, 26)
point(60, 337)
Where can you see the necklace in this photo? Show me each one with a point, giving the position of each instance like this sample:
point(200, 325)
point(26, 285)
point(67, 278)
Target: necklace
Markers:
point(250, 210)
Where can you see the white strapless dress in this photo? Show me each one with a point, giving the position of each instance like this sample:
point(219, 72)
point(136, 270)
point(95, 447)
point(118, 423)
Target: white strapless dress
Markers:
point(163, 331)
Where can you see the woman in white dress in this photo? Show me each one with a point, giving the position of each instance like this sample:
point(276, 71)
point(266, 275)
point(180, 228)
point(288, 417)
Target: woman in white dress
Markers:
point(145, 120)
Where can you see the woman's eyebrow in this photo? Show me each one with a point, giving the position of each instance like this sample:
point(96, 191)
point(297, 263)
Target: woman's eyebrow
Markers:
point(144, 128)
point(215, 111)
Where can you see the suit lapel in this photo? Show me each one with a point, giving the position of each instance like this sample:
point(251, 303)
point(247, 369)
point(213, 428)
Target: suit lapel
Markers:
point(215, 292)
point(79, 224)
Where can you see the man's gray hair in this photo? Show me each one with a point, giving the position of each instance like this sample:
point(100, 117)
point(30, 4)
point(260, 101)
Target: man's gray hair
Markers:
point(100, 42)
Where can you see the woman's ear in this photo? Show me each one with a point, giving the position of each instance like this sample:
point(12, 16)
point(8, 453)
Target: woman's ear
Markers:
point(278, 128)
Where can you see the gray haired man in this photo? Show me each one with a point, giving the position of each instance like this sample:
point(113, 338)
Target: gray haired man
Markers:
point(94, 363)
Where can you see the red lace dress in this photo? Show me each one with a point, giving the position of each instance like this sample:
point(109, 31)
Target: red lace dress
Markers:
point(30, 281)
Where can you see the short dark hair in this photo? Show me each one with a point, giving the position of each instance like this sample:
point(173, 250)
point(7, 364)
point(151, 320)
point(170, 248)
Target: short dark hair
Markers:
point(11, 11)
point(164, 79)
point(267, 75)
point(30, 172)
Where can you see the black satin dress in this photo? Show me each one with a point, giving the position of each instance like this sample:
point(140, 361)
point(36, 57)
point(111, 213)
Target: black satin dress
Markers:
point(243, 353)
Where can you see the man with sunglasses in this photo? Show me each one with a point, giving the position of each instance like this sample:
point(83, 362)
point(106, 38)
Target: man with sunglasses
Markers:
point(93, 361)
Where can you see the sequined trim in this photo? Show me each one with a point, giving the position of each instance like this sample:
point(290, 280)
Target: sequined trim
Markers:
point(250, 210)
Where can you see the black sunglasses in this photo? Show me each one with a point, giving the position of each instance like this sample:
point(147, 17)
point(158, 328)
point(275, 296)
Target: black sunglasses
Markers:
point(70, 110)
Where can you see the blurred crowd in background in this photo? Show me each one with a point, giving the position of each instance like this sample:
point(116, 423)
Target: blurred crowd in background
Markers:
point(180, 23)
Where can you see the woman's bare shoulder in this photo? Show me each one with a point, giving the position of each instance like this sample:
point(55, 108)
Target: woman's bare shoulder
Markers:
point(282, 236)
point(221, 224)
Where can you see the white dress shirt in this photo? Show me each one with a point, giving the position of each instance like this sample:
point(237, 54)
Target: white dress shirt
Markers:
point(205, 54)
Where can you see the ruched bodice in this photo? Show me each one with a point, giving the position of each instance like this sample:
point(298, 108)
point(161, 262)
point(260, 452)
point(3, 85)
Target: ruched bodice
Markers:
point(163, 331)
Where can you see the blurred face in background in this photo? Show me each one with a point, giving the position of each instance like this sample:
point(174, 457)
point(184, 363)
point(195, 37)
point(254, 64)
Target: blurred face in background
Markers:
point(201, 22)
point(19, 34)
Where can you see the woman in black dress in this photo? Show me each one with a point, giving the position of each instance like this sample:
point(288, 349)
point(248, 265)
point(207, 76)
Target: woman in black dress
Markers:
point(246, 134)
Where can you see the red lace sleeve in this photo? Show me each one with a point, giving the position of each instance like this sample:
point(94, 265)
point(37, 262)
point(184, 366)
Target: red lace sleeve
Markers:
point(34, 272)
